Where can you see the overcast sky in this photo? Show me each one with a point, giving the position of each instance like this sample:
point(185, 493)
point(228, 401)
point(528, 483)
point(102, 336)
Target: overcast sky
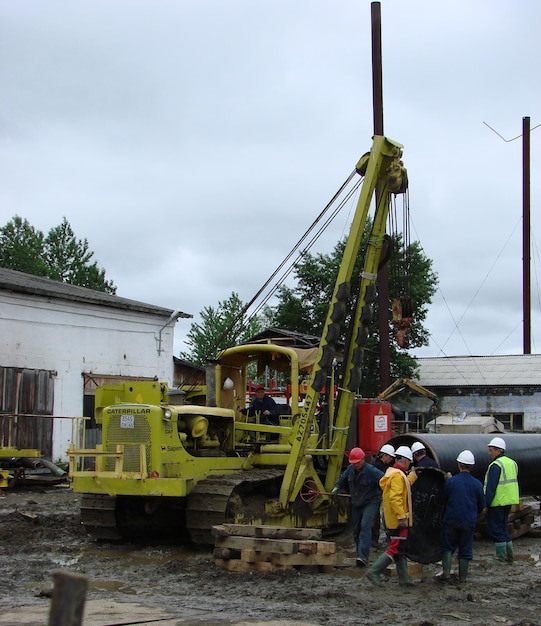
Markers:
point(193, 142)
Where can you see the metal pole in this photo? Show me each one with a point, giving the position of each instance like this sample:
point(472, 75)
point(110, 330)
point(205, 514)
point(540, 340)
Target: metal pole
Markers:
point(526, 296)
point(383, 292)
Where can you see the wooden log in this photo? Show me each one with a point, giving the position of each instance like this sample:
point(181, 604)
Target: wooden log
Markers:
point(266, 532)
point(68, 600)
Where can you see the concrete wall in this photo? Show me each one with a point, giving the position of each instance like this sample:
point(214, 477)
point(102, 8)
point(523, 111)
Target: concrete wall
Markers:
point(73, 338)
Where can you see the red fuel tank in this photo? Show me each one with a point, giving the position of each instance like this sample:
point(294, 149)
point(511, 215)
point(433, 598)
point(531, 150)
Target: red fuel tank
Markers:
point(373, 424)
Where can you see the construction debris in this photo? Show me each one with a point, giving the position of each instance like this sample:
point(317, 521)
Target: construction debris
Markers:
point(243, 548)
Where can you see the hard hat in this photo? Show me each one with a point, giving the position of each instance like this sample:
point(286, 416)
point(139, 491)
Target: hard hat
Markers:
point(466, 458)
point(259, 388)
point(387, 448)
point(417, 446)
point(405, 452)
point(356, 455)
point(497, 442)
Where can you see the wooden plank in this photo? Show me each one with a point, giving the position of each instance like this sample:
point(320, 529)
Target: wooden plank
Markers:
point(226, 553)
point(282, 546)
point(326, 547)
point(266, 532)
point(253, 556)
point(303, 559)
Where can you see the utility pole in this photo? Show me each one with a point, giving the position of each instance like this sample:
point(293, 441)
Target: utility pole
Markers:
point(526, 283)
point(526, 232)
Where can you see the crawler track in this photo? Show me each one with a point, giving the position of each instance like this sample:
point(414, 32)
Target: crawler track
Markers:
point(235, 498)
point(238, 497)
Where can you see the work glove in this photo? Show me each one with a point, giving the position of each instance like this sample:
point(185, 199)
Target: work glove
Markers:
point(403, 522)
point(334, 491)
point(413, 472)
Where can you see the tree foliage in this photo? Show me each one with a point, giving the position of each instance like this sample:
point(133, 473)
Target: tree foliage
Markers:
point(59, 255)
point(304, 307)
point(219, 329)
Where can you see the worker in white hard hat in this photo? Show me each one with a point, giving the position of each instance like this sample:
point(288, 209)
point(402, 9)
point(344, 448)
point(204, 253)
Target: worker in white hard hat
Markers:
point(420, 458)
point(397, 509)
point(501, 492)
point(464, 499)
point(384, 459)
point(362, 482)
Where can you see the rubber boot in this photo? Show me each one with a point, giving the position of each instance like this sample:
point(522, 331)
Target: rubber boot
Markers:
point(446, 560)
point(374, 573)
point(509, 552)
point(501, 552)
point(463, 566)
point(404, 579)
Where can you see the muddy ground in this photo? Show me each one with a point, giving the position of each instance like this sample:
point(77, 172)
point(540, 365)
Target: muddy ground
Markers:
point(40, 533)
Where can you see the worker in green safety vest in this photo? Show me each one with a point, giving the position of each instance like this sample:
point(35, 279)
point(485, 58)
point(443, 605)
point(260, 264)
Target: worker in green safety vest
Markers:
point(501, 492)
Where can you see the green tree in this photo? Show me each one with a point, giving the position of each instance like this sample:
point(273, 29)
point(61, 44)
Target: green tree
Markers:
point(69, 260)
point(221, 327)
point(60, 255)
point(304, 308)
point(21, 248)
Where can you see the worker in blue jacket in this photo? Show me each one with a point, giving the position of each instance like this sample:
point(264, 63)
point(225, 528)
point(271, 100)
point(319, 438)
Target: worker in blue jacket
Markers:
point(361, 480)
point(465, 499)
point(264, 406)
point(420, 459)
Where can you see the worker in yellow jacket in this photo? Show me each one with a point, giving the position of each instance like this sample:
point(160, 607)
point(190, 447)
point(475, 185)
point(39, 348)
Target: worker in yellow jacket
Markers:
point(397, 511)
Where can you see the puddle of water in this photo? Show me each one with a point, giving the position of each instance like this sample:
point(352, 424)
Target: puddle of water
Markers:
point(152, 557)
point(66, 561)
point(111, 585)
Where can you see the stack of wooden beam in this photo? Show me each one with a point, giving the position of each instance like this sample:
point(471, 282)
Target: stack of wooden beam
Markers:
point(243, 548)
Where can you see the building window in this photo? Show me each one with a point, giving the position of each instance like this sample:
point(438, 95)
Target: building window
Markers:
point(511, 421)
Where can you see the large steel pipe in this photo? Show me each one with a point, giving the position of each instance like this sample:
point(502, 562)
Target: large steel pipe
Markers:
point(525, 449)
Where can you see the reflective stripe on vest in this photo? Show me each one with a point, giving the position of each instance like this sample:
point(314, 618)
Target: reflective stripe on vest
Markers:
point(507, 489)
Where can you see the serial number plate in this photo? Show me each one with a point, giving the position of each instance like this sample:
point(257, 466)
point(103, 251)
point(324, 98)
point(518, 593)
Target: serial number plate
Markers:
point(127, 421)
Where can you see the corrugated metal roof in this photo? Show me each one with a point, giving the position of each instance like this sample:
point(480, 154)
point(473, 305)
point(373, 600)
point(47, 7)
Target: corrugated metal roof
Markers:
point(19, 282)
point(467, 371)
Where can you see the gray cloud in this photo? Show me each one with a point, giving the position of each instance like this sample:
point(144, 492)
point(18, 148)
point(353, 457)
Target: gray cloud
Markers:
point(176, 136)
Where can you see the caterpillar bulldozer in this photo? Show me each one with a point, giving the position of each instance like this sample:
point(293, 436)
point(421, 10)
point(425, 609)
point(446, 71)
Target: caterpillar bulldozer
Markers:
point(170, 468)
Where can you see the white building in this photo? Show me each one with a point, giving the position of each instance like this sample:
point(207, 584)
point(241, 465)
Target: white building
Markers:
point(505, 387)
point(58, 342)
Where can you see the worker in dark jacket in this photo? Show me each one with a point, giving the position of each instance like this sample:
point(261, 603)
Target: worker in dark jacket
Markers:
point(501, 492)
point(465, 499)
point(264, 406)
point(420, 459)
point(361, 480)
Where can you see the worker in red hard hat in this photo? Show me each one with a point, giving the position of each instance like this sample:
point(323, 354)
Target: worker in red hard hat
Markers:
point(361, 480)
point(264, 406)
point(397, 509)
